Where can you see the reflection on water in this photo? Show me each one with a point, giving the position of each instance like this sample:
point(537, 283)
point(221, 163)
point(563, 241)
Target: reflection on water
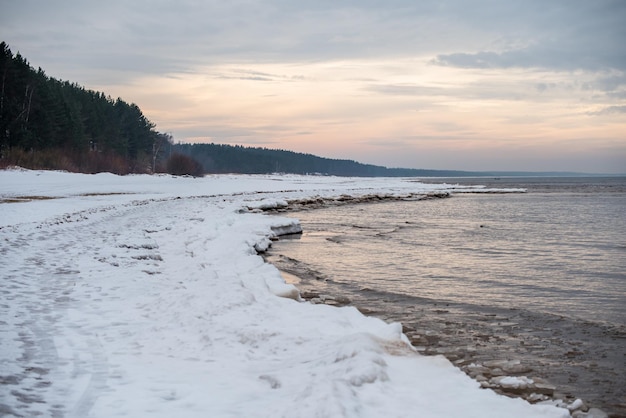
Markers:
point(539, 277)
point(535, 251)
point(290, 278)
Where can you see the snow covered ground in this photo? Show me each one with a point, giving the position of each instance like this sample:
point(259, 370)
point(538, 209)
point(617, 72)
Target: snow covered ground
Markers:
point(143, 296)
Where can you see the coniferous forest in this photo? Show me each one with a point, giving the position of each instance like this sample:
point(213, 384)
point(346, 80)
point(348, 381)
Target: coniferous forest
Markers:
point(219, 158)
point(47, 123)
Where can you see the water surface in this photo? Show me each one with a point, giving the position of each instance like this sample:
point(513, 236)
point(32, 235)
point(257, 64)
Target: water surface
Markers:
point(541, 276)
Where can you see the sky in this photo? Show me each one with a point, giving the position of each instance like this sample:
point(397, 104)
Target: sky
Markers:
point(528, 85)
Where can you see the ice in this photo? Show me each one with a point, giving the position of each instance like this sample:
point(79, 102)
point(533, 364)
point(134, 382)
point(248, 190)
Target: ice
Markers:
point(145, 296)
point(514, 382)
point(578, 403)
point(266, 204)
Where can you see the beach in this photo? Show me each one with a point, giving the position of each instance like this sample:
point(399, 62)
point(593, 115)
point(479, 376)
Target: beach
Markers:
point(146, 296)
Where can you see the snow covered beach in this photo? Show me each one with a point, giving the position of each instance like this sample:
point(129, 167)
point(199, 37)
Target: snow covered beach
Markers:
point(145, 296)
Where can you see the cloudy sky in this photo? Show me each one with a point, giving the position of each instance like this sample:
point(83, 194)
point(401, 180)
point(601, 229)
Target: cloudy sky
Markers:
point(471, 85)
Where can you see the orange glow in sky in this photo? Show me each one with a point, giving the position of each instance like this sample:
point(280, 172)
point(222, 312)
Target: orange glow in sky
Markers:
point(502, 87)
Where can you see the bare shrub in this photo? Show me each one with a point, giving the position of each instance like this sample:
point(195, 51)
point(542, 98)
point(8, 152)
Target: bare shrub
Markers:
point(65, 160)
point(183, 165)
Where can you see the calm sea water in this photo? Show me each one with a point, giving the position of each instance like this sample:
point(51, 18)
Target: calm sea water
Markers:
point(552, 259)
point(560, 247)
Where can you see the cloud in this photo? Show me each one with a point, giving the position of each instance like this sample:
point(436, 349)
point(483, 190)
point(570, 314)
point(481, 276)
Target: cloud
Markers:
point(612, 87)
point(610, 110)
point(557, 35)
point(405, 90)
point(253, 75)
point(607, 83)
point(543, 87)
point(543, 56)
point(154, 37)
point(478, 60)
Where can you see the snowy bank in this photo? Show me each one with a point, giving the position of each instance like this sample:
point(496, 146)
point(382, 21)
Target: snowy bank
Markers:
point(145, 296)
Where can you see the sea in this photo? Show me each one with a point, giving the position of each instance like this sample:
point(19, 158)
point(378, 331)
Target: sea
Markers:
point(537, 277)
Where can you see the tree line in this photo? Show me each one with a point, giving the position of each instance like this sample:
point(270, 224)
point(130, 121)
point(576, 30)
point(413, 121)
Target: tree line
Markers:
point(220, 158)
point(53, 124)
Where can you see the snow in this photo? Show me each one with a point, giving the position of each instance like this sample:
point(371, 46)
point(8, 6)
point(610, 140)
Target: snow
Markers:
point(577, 404)
point(515, 382)
point(145, 296)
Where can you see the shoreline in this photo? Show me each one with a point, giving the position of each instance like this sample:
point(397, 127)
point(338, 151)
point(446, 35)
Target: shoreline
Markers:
point(100, 289)
point(427, 342)
point(510, 375)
